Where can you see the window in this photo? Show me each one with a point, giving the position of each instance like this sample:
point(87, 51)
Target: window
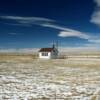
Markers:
point(44, 54)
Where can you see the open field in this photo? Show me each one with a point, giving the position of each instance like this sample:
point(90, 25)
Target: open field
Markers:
point(24, 78)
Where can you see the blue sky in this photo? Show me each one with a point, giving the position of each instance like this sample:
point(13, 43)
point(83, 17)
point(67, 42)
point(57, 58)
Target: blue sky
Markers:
point(37, 23)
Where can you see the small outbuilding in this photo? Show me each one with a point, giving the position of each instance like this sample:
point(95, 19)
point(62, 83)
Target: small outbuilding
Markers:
point(48, 53)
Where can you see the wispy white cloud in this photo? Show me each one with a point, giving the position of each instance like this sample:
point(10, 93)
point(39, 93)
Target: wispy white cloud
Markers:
point(25, 21)
point(67, 50)
point(12, 33)
point(96, 18)
point(96, 14)
point(73, 34)
point(97, 2)
point(95, 40)
point(87, 49)
point(18, 24)
point(92, 41)
point(66, 32)
point(25, 50)
point(49, 23)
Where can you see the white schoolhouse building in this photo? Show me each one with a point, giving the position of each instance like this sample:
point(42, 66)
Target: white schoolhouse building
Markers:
point(48, 53)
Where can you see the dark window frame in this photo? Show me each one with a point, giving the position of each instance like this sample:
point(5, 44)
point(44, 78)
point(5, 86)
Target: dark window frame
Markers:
point(44, 53)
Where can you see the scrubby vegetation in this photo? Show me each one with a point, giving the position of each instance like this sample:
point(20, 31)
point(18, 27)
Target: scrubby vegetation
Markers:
point(24, 78)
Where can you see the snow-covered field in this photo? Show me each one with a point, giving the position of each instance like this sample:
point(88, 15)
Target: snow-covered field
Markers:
point(25, 78)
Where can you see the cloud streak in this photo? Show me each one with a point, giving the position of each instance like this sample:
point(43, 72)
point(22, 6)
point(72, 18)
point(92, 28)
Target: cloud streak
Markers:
point(66, 32)
point(95, 18)
point(44, 22)
point(20, 51)
point(93, 41)
point(12, 33)
point(26, 19)
point(49, 23)
point(73, 34)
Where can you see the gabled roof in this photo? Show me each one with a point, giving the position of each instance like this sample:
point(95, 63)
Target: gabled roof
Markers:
point(46, 49)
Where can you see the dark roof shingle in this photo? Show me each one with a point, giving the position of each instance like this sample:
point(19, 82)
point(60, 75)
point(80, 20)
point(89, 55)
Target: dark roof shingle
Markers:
point(46, 49)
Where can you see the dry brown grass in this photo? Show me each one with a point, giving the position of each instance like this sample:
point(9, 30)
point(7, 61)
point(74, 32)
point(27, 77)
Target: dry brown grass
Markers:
point(73, 72)
point(17, 57)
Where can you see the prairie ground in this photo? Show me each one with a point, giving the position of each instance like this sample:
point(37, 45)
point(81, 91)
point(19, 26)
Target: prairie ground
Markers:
point(24, 78)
